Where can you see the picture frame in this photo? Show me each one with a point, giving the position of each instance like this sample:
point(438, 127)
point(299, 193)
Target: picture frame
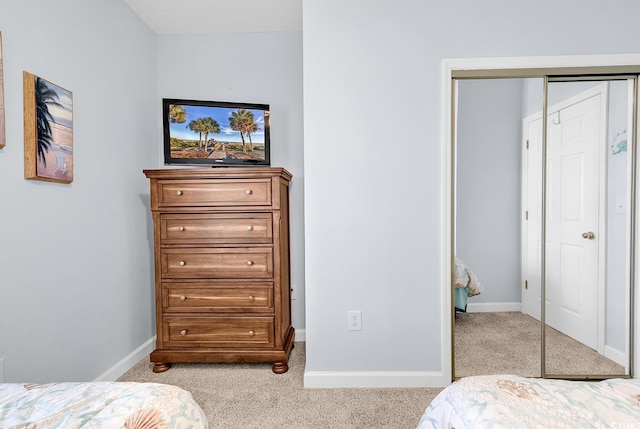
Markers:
point(48, 130)
point(3, 131)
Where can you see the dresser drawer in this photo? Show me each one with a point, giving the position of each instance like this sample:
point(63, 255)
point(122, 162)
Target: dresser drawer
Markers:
point(221, 192)
point(212, 331)
point(217, 263)
point(212, 228)
point(199, 297)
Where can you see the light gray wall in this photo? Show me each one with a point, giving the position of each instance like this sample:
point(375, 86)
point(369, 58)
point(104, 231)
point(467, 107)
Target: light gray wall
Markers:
point(254, 68)
point(488, 187)
point(75, 262)
point(373, 157)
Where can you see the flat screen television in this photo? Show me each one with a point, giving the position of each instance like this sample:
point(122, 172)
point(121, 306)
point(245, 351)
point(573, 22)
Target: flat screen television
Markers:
point(215, 133)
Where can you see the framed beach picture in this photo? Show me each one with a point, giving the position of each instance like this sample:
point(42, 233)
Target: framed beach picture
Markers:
point(48, 130)
point(3, 133)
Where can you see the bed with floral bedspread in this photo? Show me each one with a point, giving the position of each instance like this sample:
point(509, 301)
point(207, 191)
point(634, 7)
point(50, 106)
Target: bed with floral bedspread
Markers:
point(98, 405)
point(508, 401)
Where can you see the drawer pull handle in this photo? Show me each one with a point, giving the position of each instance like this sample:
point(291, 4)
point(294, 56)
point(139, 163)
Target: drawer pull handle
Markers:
point(178, 193)
point(249, 263)
point(182, 298)
point(181, 263)
point(183, 332)
point(251, 333)
point(251, 298)
point(181, 228)
point(248, 192)
point(249, 228)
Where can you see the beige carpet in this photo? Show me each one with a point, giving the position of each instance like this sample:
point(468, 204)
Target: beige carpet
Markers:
point(251, 396)
point(509, 343)
point(496, 343)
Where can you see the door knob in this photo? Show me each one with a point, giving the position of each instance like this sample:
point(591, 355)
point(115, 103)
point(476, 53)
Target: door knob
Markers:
point(588, 235)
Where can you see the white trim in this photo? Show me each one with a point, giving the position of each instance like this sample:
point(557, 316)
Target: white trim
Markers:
point(527, 307)
point(541, 62)
point(301, 336)
point(617, 356)
point(493, 307)
point(128, 361)
point(497, 63)
point(446, 230)
point(373, 379)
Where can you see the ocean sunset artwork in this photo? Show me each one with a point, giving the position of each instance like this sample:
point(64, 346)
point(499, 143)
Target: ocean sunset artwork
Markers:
point(58, 158)
point(50, 139)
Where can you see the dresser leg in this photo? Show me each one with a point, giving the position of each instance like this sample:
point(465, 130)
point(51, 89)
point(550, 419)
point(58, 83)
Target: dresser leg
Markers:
point(280, 367)
point(161, 366)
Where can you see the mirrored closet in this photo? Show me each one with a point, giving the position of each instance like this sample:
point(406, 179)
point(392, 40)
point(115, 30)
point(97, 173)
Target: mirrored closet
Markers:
point(543, 204)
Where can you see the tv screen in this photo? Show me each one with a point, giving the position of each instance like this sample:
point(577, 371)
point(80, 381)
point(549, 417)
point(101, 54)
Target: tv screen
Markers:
point(216, 133)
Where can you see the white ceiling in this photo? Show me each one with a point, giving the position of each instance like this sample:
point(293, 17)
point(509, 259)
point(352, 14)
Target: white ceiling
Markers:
point(219, 16)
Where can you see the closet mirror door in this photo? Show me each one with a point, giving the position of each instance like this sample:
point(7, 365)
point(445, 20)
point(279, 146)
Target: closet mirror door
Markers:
point(587, 226)
point(492, 332)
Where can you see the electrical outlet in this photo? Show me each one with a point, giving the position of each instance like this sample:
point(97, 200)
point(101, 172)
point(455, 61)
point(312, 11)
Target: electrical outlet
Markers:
point(355, 320)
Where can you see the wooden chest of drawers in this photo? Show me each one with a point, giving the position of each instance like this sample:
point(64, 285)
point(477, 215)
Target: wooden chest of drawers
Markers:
point(221, 247)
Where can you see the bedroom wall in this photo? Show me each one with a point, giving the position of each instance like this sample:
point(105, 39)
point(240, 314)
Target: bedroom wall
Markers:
point(488, 217)
point(247, 67)
point(373, 165)
point(75, 262)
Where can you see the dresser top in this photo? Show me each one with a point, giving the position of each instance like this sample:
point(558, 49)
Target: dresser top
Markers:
point(217, 173)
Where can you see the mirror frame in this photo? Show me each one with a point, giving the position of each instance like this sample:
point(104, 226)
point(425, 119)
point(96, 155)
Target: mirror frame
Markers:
point(556, 68)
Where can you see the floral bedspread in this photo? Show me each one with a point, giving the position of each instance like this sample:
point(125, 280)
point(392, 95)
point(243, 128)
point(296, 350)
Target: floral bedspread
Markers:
point(464, 277)
point(98, 405)
point(508, 401)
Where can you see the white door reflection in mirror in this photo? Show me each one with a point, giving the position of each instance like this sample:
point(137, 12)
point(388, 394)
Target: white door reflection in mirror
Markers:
point(579, 244)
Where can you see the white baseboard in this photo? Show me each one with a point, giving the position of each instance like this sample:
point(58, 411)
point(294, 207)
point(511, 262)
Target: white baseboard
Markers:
point(616, 355)
point(301, 336)
point(493, 307)
point(373, 379)
point(128, 361)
